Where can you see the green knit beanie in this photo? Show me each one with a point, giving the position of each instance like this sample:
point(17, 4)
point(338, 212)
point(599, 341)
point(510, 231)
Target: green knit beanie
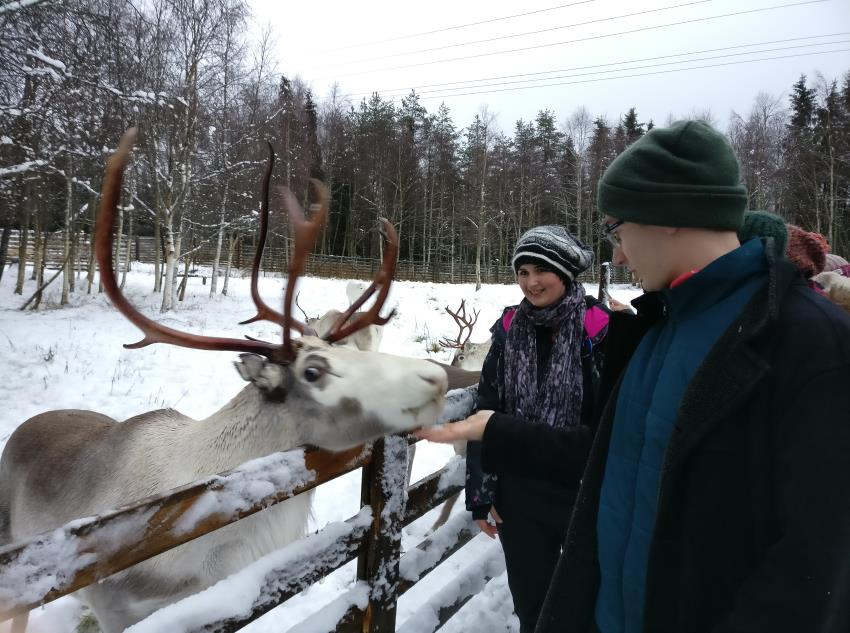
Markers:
point(765, 224)
point(685, 175)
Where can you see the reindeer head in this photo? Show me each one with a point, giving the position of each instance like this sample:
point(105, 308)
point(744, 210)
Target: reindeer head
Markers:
point(340, 397)
point(467, 355)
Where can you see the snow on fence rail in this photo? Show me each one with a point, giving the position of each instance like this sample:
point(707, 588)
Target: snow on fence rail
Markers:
point(86, 550)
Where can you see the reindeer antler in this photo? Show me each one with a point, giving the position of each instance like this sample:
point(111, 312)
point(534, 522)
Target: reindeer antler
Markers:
point(304, 312)
point(153, 331)
point(463, 321)
point(383, 279)
point(306, 233)
point(264, 311)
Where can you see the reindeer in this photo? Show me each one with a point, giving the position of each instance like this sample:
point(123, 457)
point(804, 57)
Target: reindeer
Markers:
point(65, 464)
point(467, 355)
point(367, 339)
point(465, 366)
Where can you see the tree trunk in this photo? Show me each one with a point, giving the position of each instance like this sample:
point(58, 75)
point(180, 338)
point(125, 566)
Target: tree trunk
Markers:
point(219, 241)
point(75, 255)
point(231, 247)
point(38, 236)
point(126, 267)
point(481, 223)
point(181, 294)
point(22, 244)
point(453, 236)
point(67, 268)
point(169, 286)
point(4, 244)
point(157, 258)
point(579, 194)
point(92, 222)
point(119, 238)
point(831, 201)
point(40, 278)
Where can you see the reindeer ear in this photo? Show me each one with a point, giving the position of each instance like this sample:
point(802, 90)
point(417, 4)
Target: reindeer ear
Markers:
point(273, 379)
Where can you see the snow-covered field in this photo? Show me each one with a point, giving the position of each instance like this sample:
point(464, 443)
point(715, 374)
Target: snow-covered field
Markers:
point(72, 357)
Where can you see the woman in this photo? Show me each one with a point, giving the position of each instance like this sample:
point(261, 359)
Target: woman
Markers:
point(540, 373)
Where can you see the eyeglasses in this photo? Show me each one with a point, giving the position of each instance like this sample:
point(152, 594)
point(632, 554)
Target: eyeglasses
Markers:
point(610, 235)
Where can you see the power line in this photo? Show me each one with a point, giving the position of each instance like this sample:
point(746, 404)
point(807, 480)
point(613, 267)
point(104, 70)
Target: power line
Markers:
point(538, 32)
point(699, 59)
point(590, 38)
point(461, 26)
point(468, 83)
point(613, 70)
point(658, 72)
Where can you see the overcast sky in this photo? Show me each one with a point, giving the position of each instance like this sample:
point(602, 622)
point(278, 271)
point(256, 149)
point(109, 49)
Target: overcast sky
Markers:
point(520, 57)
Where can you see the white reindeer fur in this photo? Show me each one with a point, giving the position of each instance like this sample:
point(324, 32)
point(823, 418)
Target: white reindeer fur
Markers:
point(368, 339)
point(61, 465)
point(354, 289)
point(471, 356)
point(837, 287)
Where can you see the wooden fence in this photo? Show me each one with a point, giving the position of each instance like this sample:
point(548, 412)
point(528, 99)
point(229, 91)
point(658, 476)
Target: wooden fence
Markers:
point(142, 249)
point(373, 537)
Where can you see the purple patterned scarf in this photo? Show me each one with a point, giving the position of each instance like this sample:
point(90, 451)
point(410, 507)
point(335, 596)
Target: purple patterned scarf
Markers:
point(557, 401)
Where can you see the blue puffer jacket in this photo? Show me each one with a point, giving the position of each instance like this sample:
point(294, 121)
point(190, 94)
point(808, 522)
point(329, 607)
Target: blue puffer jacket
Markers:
point(697, 312)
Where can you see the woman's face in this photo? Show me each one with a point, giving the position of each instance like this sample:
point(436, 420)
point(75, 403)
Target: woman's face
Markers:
point(540, 285)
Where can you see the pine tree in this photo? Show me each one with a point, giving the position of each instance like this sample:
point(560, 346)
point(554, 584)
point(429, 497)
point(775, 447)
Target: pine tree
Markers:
point(800, 198)
point(633, 129)
point(802, 105)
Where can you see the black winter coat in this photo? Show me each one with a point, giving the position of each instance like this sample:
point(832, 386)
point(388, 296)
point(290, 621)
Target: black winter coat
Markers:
point(753, 522)
point(515, 447)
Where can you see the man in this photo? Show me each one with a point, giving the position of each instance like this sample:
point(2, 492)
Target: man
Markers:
point(715, 496)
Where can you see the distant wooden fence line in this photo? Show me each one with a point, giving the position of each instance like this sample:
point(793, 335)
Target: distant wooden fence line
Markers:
point(372, 536)
point(142, 249)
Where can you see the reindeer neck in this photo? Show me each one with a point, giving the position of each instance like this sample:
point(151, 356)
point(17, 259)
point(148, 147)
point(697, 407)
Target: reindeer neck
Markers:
point(247, 427)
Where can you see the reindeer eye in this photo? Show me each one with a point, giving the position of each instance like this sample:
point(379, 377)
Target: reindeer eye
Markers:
point(312, 374)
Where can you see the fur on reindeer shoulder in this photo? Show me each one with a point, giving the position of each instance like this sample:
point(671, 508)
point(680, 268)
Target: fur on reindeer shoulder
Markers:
point(836, 286)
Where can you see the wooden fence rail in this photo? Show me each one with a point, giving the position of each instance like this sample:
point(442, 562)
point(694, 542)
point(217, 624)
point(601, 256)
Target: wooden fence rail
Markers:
point(142, 250)
point(31, 576)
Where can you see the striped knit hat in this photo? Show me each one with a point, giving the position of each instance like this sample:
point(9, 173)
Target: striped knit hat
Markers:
point(554, 247)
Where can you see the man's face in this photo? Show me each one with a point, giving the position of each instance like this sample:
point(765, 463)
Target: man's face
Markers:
point(645, 250)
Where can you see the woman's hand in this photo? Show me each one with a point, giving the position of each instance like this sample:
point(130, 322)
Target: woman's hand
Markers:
point(616, 305)
point(470, 429)
point(490, 529)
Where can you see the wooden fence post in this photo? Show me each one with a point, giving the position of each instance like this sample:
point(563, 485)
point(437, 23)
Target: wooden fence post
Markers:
point(604, 282)
point(385, 489)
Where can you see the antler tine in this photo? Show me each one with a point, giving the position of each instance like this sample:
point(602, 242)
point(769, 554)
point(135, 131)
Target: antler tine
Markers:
point(450, 343)
point(471, 325)
point(463, 322)
point(264, 311)
point(460, 315)
point(153, 331)
point(306, 233)
point(384, 279)
point(298, 305)
point(455, 343)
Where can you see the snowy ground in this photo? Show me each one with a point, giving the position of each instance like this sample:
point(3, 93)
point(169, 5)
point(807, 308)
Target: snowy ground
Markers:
point(72, 357)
